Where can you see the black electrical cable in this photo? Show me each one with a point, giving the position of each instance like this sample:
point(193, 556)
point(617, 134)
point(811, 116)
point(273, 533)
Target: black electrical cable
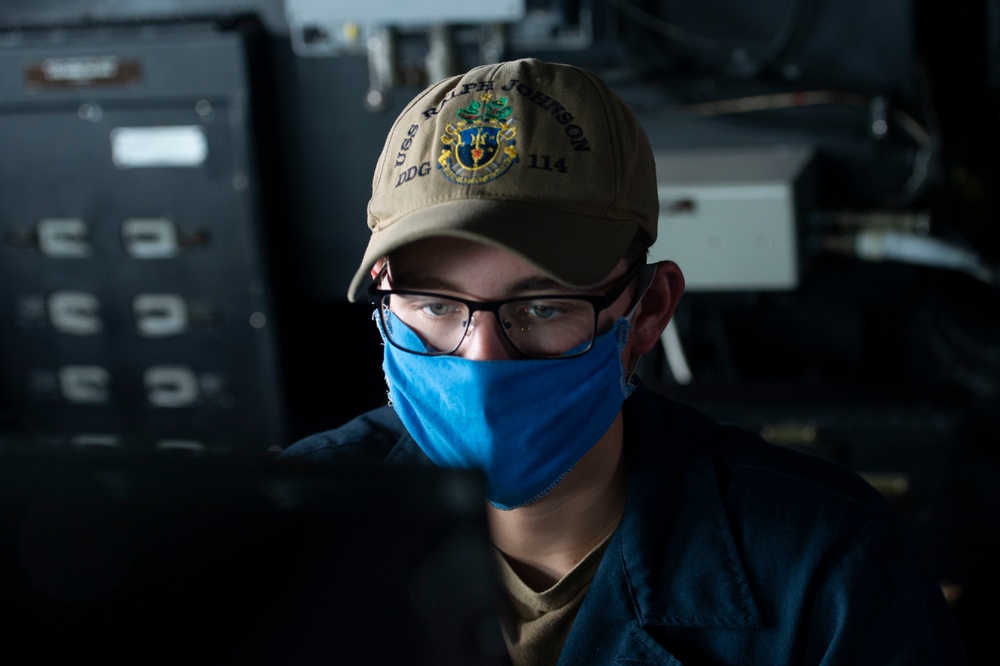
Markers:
point(789, 29)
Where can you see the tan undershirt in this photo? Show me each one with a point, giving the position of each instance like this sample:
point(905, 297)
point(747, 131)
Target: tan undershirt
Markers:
point(536, 624)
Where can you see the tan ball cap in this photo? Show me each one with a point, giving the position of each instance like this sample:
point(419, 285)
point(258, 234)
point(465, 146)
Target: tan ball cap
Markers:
point(540, 159)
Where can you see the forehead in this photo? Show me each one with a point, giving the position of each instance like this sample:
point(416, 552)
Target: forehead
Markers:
point(464, 266)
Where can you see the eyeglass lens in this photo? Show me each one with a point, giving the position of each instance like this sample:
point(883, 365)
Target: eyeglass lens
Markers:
point(546, 327)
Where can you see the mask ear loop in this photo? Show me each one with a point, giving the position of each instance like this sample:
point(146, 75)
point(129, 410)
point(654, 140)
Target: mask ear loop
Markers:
point(646, 276)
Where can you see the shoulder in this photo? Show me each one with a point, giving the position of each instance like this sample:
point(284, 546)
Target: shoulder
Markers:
point(825, 558)
point(782, 510)
point(747, 466)
point(371, 436)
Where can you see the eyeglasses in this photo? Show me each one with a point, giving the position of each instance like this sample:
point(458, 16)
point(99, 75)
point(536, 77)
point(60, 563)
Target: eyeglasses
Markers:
point(544, 326)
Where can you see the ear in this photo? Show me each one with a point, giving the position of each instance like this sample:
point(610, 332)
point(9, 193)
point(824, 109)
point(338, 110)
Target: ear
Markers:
point(655, 310)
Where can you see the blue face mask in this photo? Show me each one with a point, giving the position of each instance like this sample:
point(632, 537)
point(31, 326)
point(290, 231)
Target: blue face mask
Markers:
point(525, 423)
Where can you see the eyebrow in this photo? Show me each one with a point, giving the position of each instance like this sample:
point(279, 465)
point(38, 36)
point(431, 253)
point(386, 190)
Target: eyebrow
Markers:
point(421, 281)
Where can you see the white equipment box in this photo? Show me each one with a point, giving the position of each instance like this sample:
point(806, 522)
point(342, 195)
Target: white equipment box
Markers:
point(325, 27)
point(729, 217)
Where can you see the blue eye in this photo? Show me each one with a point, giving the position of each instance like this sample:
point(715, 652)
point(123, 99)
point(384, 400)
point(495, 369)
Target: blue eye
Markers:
point(541, 311)
point(437, 309)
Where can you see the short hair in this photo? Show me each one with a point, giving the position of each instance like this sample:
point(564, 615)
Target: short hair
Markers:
point(638, 250)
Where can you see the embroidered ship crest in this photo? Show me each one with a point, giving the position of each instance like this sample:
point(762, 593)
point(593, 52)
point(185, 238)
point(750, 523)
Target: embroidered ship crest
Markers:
point(479, 147)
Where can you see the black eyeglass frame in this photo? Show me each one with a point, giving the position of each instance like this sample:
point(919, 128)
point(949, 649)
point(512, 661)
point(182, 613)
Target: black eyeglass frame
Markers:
point(598, 302)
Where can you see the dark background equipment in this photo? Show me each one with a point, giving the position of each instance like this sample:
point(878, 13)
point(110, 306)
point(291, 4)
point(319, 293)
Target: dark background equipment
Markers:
point(827, 174)
point(136, 299)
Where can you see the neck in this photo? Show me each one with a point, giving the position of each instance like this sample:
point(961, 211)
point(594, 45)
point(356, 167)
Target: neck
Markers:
point(544, 540)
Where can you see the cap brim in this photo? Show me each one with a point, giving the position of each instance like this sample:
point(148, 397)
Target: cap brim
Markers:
point(574, 249)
